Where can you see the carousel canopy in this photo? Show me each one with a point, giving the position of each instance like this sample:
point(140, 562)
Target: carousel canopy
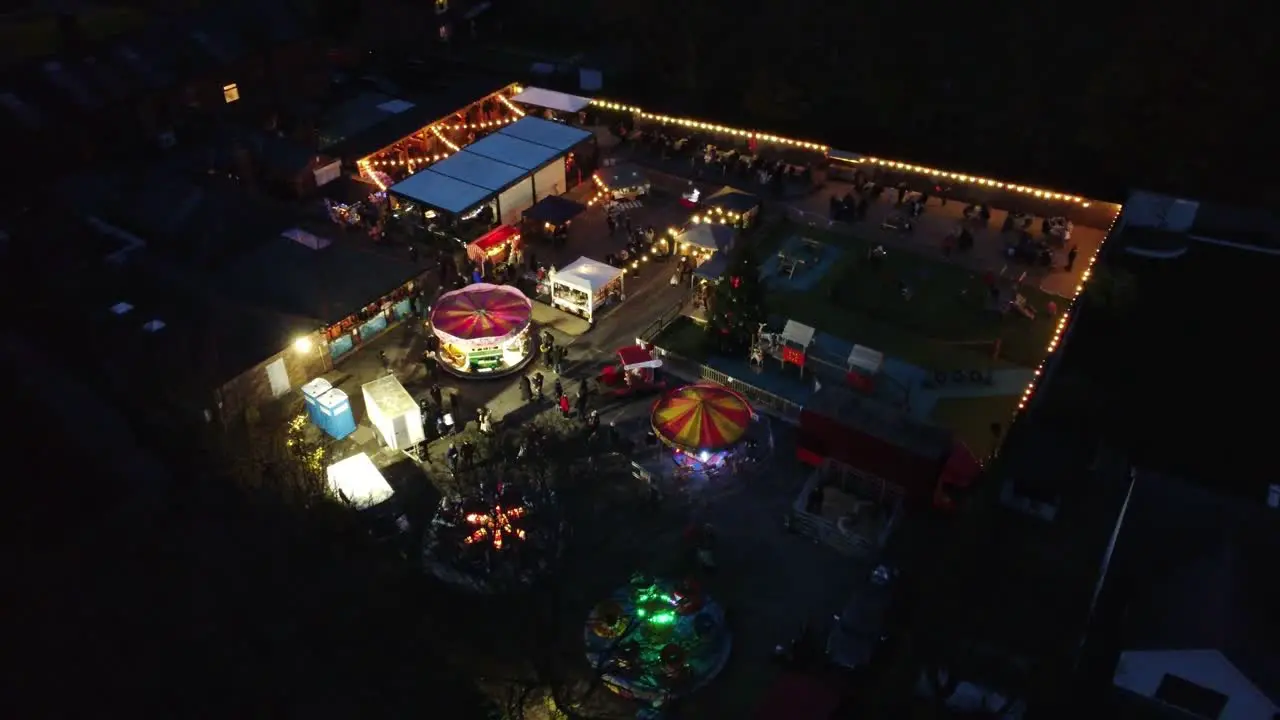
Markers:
point(698, 418)
point(708, 236)
point(558, 136)
point(554, 209)
point(621, 176)
point(732, 200)
point(588, 274)
point(481, 312)
point(551, 100)
point(513, 151)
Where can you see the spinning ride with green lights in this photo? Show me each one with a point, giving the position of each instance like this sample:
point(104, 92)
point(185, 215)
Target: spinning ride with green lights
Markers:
point(655, 640)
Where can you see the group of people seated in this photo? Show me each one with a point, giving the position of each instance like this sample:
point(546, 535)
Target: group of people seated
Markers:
point(708, 158)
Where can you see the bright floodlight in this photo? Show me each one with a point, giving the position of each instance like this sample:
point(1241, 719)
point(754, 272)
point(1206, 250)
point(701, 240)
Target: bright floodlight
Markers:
point(302, 344)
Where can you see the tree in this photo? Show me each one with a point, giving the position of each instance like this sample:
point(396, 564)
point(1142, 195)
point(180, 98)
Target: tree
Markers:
point(737, 303)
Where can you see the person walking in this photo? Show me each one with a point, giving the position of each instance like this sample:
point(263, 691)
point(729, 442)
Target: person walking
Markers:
point(455, 406)
point(581, 401)
point(435, 394)
point(1071, 257)
point(558, 388)
point(564, 406)
point(526, 389)
point(537, 386)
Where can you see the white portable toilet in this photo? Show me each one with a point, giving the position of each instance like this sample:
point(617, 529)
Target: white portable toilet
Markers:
point(393, 413)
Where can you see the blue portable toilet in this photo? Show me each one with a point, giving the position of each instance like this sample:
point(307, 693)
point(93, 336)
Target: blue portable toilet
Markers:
point(337, 418)
point(310, 393)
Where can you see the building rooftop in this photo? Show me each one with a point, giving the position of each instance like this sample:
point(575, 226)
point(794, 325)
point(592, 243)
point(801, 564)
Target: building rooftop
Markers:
point(1196, 575)
point(322, 285)
point(1177, 369)
point(372, 121)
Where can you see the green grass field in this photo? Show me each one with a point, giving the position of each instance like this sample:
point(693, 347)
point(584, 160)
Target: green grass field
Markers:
point(945, 324)
point(971, 418)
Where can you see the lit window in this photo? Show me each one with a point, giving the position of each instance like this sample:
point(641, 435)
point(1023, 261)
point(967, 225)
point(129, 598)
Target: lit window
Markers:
point(442, 7)
point(230, 93)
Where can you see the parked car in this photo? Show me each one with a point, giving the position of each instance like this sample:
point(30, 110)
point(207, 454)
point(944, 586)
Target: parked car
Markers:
point(861, 628)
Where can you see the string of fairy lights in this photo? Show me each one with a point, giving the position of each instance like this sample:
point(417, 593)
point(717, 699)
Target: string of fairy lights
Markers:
point(1065, 320)
point(760, 136)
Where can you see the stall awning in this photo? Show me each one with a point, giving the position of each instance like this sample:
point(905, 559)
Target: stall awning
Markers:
point(555, 210)
point(798, 333)
point(513, 151)
point(478, 170)
point(622, 176)
point(440, 191)
point(491, 243)
point(713, 268)
point(358, 481)
point(587, 274)
point(557, 136)
point(732, 200)
point(865, 359)
point(551, 100)
point(708, 237)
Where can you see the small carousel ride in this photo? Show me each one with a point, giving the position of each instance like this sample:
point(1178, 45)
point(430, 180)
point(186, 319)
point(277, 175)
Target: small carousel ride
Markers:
point(484, 330)
point(635, 372)
point(494, 539)
point(703, 424)
point(657, 640)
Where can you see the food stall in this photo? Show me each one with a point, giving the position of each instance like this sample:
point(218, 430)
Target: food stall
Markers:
point(393, 413)
point(634, 372)
point(731, 206)
point(494, 246)
point(585, 285)
point(624, 181)
point(483, 330)
point(551, 216)
point(701, 241)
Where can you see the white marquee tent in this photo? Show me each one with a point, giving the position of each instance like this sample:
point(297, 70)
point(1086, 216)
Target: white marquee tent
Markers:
point(551, 100)
point(798, 333)
point(584, 285)
point(358, 482)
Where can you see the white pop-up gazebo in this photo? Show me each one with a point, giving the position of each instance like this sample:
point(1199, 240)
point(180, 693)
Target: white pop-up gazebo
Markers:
point(393, 413)
point(584, 285)
point(358, 482)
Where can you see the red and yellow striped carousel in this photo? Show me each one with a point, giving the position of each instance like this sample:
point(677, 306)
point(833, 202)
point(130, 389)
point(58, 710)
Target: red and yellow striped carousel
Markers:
point(703, 424)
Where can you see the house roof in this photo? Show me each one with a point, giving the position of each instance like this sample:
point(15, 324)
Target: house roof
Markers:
point(440, 191)
point(478, 170)
point(372, 122)
point(324, 285)
point(1198, 571)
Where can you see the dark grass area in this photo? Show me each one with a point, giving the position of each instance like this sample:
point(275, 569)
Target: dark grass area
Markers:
point(944, 324)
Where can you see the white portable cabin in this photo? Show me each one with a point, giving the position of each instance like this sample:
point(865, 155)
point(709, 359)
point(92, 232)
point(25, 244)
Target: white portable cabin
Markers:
point(358, 482)
point(393, 413)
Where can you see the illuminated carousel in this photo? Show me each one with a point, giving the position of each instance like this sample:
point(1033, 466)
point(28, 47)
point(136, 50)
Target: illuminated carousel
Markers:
point(656, 640)
point(493, 541)
point(484, 330)
point(703, 424)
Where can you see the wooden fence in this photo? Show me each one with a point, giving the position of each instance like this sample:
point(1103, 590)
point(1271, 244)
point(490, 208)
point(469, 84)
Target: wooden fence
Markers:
point(852, 481)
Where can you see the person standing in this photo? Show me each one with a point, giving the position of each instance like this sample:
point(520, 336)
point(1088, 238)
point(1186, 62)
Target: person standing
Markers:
point(1071, 257)
point(558, 388)
point(537, 386)
point(564, 406)
point(526, 389)
point(455, 406)
point(436, 396)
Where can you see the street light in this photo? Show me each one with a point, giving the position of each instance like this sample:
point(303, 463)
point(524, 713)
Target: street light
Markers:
point(302, 345)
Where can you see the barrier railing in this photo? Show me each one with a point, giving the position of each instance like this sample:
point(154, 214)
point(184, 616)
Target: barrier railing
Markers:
point(653, 329)
point(692, 370)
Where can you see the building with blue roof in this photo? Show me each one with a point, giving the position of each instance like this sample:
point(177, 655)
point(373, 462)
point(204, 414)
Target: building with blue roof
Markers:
point(494, 180)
